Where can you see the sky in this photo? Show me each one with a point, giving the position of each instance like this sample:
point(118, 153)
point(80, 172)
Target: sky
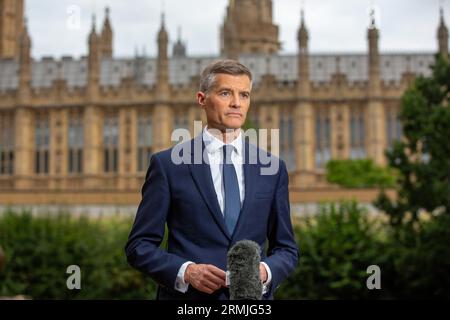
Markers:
point(60, 28)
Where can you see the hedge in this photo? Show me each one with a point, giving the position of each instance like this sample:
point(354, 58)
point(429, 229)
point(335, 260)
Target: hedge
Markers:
point(39, 249)
point(337, 245)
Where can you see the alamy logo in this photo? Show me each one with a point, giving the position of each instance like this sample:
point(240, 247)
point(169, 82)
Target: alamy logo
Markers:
point(74, 280)
point(73, 17)
point(183, 153)
point(374, 281)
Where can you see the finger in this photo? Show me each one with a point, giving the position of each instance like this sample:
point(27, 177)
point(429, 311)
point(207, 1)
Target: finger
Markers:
point(203, 286)
point(215, 279)
point(209, 285)
point(205, 289)
point(216, 271)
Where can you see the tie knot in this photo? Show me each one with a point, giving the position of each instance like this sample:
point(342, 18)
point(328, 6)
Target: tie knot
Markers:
point(227, 151)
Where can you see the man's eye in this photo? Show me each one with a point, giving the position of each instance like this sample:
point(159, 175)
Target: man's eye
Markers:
point(225, 94)
point(245, 95)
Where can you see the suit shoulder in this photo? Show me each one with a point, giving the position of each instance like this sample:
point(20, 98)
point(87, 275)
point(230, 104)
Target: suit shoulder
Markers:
point(165, 156)
point(264, 154)
point(162, 155)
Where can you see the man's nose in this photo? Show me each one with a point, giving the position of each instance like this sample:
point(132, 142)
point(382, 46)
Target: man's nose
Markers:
point(235, 101)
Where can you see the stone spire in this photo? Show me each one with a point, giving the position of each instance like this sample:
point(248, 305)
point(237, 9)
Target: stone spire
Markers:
point(106, 37)
point(442, 35)
point(163, 114)
point(163, 59)
point(374, 55)
point(94, 55)
point(24, 46)
point(303, 56)
point(24, 58)
point(179, 48)
point(375, 108)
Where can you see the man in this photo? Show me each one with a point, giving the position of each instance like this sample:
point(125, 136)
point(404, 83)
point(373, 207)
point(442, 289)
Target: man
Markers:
point(210, 205)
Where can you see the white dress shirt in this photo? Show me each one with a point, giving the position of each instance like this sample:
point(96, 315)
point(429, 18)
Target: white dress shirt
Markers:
point(214, 148)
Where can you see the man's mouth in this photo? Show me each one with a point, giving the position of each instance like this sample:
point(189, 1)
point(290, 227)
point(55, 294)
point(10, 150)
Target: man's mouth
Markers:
point(232, 114)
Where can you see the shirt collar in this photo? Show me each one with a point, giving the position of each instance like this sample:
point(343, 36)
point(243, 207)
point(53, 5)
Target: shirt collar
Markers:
point(213, 144)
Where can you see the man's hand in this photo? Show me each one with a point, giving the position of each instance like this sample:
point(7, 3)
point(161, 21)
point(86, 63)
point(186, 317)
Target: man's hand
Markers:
point(263, 273)
point(205, 277)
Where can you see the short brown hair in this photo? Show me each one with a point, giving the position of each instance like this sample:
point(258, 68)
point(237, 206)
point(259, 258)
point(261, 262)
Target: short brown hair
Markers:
point(231, 67)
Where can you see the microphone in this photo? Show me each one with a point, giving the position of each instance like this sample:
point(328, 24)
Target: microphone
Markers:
point(243, 261)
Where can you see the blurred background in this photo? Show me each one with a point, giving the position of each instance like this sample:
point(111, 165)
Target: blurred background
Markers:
point(359, 92)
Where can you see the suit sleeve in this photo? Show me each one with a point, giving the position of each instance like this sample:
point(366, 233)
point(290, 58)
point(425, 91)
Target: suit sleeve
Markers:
point(142, 249)
point(282, 253)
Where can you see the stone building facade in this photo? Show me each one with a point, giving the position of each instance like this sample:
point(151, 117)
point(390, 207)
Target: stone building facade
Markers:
point(83, 130)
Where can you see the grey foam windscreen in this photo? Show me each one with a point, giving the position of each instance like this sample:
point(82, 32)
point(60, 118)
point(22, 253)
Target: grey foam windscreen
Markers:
point(243, 265)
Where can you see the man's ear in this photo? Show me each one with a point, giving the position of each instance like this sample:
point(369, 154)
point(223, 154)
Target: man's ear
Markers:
point(201, 99)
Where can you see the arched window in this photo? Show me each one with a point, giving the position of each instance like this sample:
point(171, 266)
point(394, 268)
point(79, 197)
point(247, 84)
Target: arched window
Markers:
point(6, 143)
point(394, 129)
point(111, 142)
point(75, 142)
point(145, 139)
point(322, 137)
point(42, 143)
point(180, 119)
point(287, 146)
point(357, 133)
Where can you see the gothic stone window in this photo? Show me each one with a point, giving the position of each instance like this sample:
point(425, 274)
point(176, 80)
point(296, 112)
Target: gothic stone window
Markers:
point(322, 137)
point(357, 133)
point(181, 119)
point(42, 142)
point(75, 142)
point(145, 139)
point(287, 147)
point(111, 142)
point(6, 143)
point(394, 130)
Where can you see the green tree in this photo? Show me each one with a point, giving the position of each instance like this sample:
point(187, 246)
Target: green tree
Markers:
point(336, 244)
point(419, 256)
point(249, 124)
point(422, 159)
point(2, 259)
point(361, 173)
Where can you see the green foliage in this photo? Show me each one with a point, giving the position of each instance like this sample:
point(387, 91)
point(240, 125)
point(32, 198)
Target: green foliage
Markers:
point(336, 247)
point(39, 249)
point(341, 241)
point(417, 260)
point(2, 259)
point(420, 254)
point(359, 174)
point(422, 160)
point(249, 124)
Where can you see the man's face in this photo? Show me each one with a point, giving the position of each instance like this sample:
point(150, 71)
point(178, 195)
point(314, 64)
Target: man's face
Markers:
point(226, 104)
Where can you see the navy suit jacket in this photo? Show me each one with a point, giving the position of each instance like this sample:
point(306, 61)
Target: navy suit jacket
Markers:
point(183, 196)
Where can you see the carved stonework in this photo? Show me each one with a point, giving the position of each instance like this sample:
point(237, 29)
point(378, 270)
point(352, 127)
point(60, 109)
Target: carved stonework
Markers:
point(350, 84)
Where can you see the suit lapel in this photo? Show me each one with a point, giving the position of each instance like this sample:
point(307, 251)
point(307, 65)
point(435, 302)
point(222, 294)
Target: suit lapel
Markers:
point(201, 173)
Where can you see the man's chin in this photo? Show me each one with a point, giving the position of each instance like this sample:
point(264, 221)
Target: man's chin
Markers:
point(234, 125)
